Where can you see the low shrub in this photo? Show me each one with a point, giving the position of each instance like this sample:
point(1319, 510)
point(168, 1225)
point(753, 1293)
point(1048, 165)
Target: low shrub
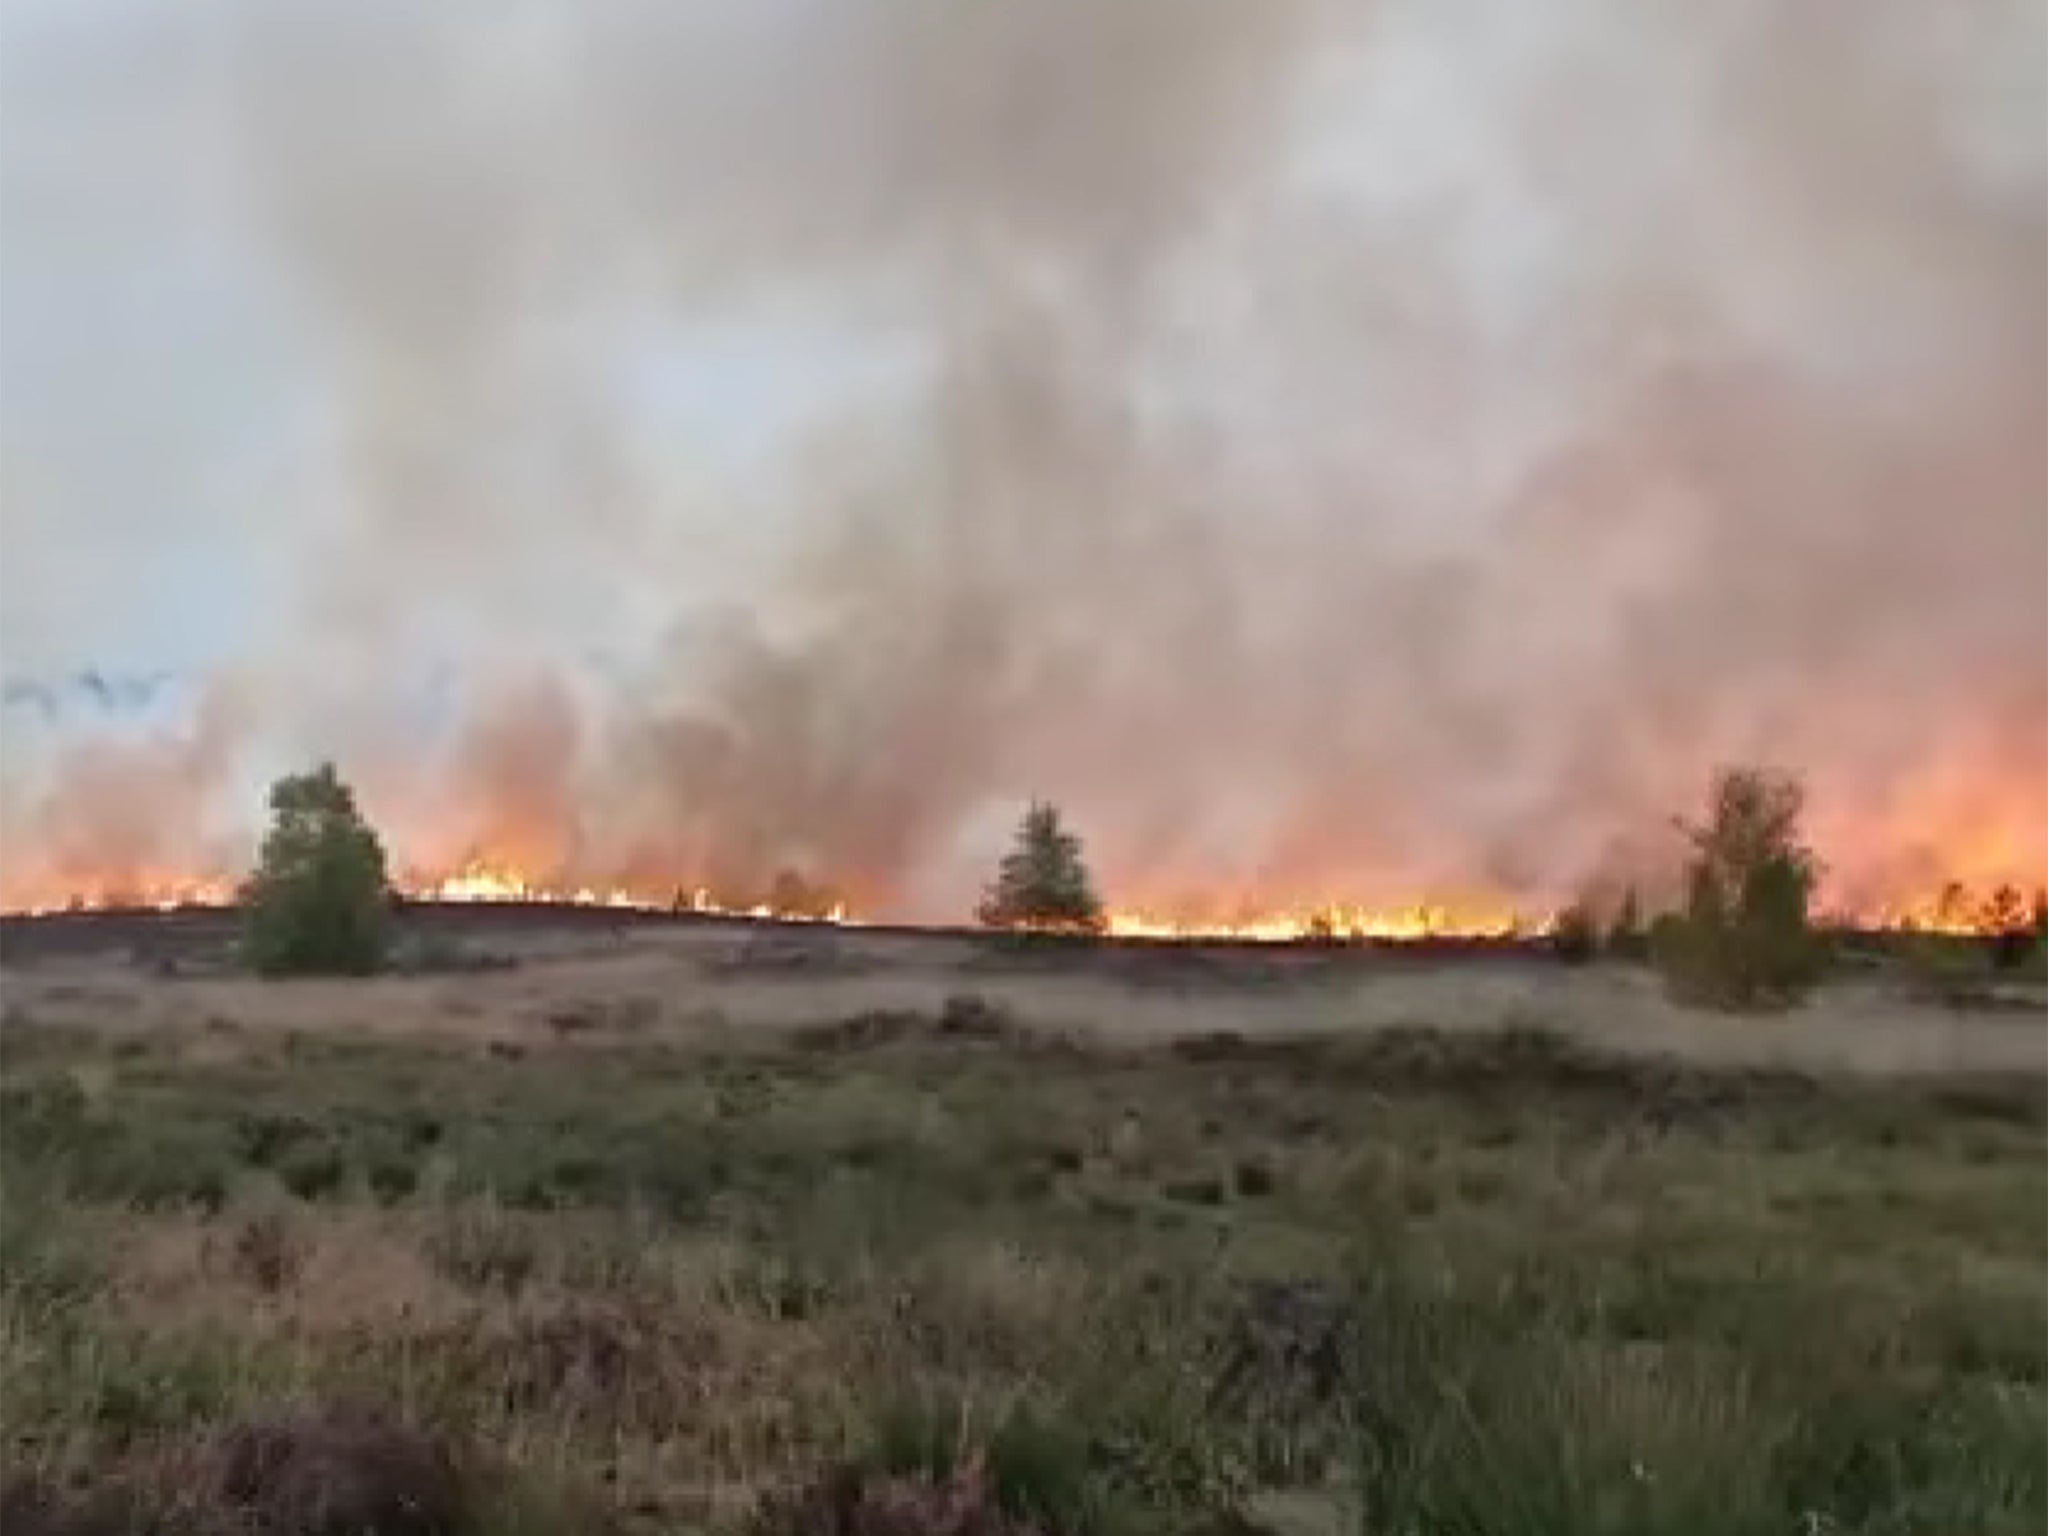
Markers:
point(1574, 935)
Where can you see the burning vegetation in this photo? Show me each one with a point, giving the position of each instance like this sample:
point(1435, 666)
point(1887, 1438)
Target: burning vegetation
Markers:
point(1366, 508)
point(1747, 868)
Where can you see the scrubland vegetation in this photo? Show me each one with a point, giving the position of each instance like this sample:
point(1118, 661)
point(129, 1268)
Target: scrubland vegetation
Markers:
point(946, 1272)
point(954, 1269)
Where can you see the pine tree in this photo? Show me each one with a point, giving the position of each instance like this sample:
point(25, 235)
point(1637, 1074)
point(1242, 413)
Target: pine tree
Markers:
point(1043, 882)
point(317, 902)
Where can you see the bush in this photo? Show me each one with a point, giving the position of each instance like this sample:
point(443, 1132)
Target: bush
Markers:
point(1043, 883)
point(1745, 940)
point(936, 1467)
point(317, 902)
point(338, 1470)
point(2008, 926)
point(1574, 936)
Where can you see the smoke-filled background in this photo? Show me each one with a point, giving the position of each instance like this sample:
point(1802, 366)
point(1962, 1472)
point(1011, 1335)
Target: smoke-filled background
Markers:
point(1336, 450)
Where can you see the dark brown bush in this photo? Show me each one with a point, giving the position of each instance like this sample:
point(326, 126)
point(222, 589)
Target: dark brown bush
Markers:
point(331, 1471)
point(342, 1471)
point(970, 1016)
point(268, 1253)
point(851, 1502)
point(36, 1506)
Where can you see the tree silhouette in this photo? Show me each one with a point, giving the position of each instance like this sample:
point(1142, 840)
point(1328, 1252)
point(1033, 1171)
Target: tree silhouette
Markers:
point(1043, 882)
point(1574, 935)
point(1745, 940)
point(2007, 925)
point(317, 901)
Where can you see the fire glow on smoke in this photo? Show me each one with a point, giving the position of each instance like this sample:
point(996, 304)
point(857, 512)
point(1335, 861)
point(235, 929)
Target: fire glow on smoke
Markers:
point(1366, 506)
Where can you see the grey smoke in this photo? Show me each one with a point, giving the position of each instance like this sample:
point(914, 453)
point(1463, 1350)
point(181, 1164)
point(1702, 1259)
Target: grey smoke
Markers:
point(1334, 451)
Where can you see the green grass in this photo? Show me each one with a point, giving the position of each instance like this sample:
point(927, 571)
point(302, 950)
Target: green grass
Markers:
point(1413, 1283)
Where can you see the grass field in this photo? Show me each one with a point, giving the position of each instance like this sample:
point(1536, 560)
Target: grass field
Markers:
point(655, 1235)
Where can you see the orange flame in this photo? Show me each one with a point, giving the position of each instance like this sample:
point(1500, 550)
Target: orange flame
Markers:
point(1951, 908)
point(486, 883)
point(165, 893)
point(480, 882)
point(1420, 921)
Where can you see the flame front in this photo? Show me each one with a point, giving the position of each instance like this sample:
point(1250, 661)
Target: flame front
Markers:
point(128, 892)
point(1948, 907)
point(478, 882)
point(1421, 921)
point(483, 883)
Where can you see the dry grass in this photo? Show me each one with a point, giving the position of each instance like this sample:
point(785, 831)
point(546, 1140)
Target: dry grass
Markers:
point(278, 1268)
point(693, 984)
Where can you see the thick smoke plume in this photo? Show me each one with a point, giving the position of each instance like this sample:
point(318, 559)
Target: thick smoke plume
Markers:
point(1336, 452)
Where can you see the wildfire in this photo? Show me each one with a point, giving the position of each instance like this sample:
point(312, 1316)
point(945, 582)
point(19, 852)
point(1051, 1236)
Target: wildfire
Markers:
point(484, 883)
point(1952, 909)
point(1956, 910)
point(163, 893)
point(1421, 921)
point(477, 883)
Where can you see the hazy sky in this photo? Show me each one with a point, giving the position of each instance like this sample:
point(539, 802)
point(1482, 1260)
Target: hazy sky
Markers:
point(167, 403)
point(1330, 446)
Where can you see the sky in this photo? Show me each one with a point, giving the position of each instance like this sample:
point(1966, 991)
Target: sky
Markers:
point(1331, 448)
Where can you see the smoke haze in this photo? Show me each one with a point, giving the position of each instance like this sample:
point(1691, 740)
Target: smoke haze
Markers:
point(1336, 452)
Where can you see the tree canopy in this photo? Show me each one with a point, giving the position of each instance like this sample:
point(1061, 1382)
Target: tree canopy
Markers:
point(1043, 882)
point(1745, 939)
point(317, 901)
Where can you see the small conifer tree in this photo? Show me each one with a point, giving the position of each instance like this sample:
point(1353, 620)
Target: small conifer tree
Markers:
point(1043, 882)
